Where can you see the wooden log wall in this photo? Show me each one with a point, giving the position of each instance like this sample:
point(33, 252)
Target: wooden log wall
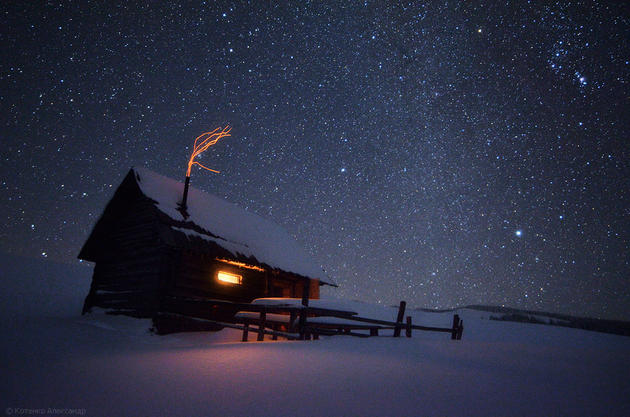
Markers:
point(128, 284)
point(128, 261)
point(197, 276)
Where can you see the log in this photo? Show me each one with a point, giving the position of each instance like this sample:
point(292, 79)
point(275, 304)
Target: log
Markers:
point(392, 324)
point(305, 294)
point(455, 327)
point(292, 318)
point(245, 332)
point(305, 291)
point(261, 326)
point(399, 318)
point(266, 308)
point(232, 325)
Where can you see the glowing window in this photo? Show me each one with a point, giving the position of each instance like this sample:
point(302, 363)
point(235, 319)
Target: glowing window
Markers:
point(229, 278)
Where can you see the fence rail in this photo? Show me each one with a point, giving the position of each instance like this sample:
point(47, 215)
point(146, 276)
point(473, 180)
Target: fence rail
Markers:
point(299, 322)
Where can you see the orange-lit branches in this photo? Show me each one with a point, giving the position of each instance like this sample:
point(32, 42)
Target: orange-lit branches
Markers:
point(203, 142)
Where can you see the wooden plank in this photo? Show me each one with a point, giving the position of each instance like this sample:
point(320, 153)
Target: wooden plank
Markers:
point(292, 318)
point(261, 326)
point(302, 323)
point(267, 308)
point(455, 327)
point(393, 324)
point(399, 318)
point(305, 293)
point(245, 332)
point(314, 323)
point(286, 335)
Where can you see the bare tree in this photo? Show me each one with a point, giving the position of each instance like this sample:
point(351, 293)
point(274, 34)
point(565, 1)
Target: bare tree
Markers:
point(202, 143)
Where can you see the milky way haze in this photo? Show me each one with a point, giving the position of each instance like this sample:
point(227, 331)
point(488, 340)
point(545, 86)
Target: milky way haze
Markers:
point(441, 153)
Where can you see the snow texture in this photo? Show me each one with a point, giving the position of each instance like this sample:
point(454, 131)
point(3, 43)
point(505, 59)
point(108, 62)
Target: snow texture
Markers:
point(101, 365)
point(240, 232)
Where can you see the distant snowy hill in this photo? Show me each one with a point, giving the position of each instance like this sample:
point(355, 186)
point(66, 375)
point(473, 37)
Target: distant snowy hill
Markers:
point(541, 317)
point(554, 319)
point(98, 365)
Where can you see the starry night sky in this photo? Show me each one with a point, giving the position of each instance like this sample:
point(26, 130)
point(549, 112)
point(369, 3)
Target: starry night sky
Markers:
point(445, 153)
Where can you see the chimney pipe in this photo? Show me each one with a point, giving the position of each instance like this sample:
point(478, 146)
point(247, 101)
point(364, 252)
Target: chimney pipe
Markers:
point(183, 205)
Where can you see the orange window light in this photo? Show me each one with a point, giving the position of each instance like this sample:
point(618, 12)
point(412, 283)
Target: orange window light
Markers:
point(229, 278)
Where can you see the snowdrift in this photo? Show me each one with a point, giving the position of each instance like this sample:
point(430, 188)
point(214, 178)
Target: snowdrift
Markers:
point(101, 365)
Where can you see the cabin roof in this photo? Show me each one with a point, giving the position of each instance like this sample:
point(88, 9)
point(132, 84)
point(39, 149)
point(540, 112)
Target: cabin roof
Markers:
point(243, 234)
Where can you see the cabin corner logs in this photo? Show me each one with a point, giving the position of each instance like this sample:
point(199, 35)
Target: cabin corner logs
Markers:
point(180, 274)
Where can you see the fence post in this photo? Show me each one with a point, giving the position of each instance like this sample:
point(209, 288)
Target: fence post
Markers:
point(245, 332)
point(399, 318)
point(455, 327)
point(305, 295)
point(408, 328)
point(261, 326)
point(292, 318)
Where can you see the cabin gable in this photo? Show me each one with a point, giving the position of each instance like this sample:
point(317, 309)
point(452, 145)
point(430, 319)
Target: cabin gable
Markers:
point(128, 224)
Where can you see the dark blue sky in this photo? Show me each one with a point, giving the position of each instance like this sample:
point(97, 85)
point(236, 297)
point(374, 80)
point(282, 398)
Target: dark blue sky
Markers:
point(443, 153)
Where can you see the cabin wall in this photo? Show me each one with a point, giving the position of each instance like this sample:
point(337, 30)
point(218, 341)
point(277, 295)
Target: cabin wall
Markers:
point(128, 274)
point(290, 286)
point(127, 284)
point(314, 289)
point(136, 280)
point(197, 275)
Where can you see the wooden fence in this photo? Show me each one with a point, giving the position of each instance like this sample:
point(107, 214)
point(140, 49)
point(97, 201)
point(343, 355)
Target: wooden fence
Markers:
point(298, 322)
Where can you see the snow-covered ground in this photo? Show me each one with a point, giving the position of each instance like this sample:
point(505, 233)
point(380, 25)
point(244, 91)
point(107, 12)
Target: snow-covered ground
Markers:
point(55, 362)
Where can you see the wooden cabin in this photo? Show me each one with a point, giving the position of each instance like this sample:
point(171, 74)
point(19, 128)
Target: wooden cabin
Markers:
point(148, 251)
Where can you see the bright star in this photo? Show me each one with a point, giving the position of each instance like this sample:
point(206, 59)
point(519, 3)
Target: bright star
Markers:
point(518, 233)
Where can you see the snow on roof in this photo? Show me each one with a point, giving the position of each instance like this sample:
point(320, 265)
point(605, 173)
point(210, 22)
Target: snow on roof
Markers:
point(239, 231)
